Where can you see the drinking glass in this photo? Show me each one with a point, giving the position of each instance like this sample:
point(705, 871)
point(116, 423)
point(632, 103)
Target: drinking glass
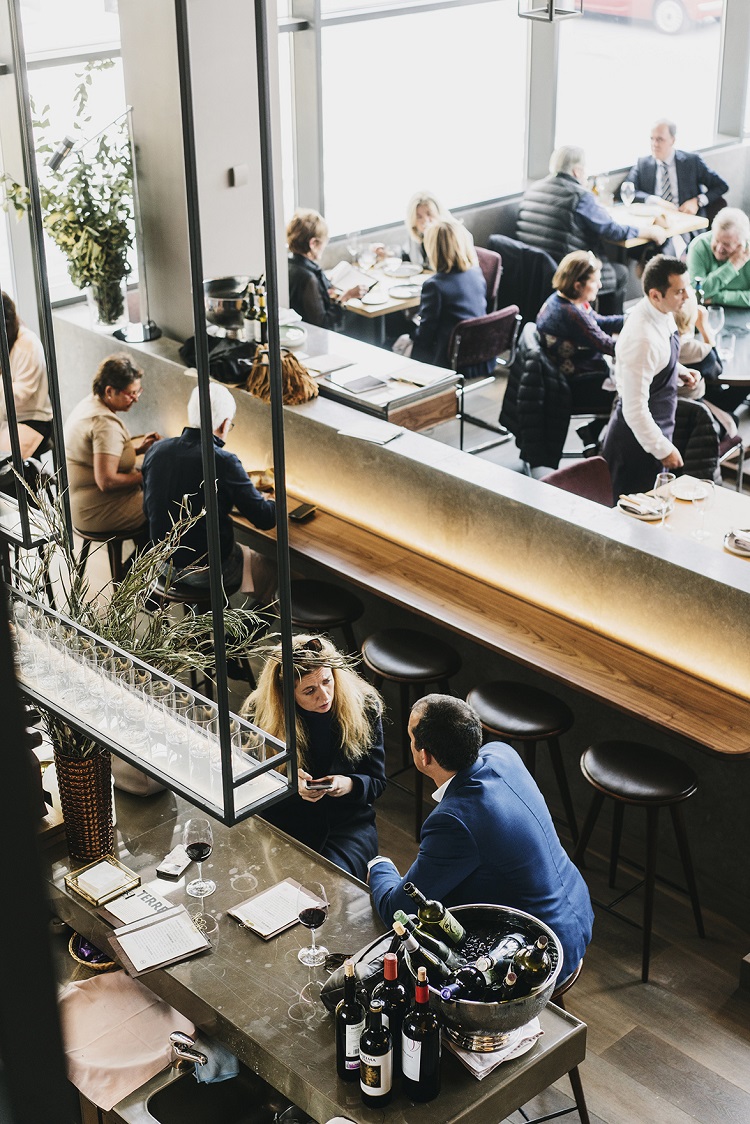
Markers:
point(249, 743)
point(157, 694)
point(312, 910)
point(353, 244)
point(198, 839)
point(118, 672)
point(715, 319)
point(725, 345)
point(663, 492)
point(176, 728)
point(627, 192)
point(703, 498)
point(217, 790)
point(202, 726)
point(366, 258)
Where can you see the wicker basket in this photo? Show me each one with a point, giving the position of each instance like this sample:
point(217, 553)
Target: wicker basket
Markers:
point(86, 800)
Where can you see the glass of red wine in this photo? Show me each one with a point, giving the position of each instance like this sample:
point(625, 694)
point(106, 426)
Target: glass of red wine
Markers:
point(312, 910)
point(199, 841)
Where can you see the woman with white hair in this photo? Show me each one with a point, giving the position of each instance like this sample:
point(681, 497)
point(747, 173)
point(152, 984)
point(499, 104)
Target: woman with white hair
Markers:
point(720, 259)
point(340, 754)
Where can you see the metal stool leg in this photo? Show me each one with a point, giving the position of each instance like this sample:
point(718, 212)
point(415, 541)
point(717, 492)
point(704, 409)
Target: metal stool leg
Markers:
point(348, 631)
point(588, 827)
point(687, 865)
point(403, 690)
point(652, 831)
point(614, 853)
point(83, 557)
point(114, 550)
point(529, 757)
point(562, 783)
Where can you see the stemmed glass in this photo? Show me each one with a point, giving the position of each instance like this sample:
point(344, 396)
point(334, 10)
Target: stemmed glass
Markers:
point(199, 842)
point(716, 319)
point(703, 496)
point(353, 245)
point(627, 192)
point(663, 492)
point(312, 910)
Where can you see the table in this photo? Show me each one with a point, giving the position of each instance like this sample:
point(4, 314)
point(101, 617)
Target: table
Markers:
point(399, 401)
point(737, 370)
point(256, 997)
point(678, 222)
point(377, 313)
point(729, 510)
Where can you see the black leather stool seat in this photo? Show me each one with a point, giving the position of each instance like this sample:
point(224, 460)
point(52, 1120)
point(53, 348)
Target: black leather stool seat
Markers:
point(182, 594)
point(114, 541)
point(321, 605)
point(406, 656)
point(520, 711)
point(638, 774)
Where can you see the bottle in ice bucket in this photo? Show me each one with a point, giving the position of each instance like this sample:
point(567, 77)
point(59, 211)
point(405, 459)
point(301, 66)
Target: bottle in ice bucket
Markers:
point(467, 982)
point(437, 971)
point(434, 918)
point(500, 957)
point(436, 947)
point(532, 965)
point(376, 1059)
point(421, 1046)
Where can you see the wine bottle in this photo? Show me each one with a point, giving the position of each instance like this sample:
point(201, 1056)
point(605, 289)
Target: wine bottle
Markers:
point(422, 957)
point(532, 964)
point(500, 957)
point(436, 947)
point(467, 982)
point(350, 1022)
point(251, 314)
point(395, 1000)
point(376, 1059)
point(421, 1046)
point(507, 989)
point(434, 918)
point(262, 316)
point(698, 288)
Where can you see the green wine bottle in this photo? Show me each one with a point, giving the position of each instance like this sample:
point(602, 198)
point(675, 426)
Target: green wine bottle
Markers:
point(435, 918)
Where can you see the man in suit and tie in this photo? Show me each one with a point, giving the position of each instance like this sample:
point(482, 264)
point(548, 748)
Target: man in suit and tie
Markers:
point(672, 178)
point(490, 838)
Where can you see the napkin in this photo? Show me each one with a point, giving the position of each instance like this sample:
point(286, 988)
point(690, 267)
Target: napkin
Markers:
point(640, 504)
point(741, 538)
point(482, 1064)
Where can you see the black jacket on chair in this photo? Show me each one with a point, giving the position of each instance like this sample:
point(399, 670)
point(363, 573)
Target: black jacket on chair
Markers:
point(537, 404)
point(696, 435)
point(527, 274)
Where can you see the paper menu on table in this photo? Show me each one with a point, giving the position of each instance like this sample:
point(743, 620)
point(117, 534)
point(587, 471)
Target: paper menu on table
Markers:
point(324, 364)
point(275, 909)
point(143, 901)
point(158, 941)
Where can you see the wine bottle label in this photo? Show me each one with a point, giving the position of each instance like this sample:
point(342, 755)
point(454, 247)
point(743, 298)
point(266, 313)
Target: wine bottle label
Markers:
point(451, 927)
point(376, 1073)
point(411, 1056)
point(354, 1032)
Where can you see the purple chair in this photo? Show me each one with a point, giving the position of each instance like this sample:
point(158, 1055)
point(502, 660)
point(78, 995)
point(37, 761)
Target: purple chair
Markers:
point(478, 340)
point(589, 479)
point(491, 265)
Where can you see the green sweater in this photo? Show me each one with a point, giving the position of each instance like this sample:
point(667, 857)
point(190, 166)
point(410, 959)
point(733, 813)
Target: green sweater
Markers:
point(722, 283)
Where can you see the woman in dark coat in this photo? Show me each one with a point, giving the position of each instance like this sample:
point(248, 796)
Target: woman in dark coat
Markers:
point(311, 293)
point(339, 742)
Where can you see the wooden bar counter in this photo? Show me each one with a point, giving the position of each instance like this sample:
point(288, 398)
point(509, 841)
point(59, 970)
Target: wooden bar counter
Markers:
point(256, 997)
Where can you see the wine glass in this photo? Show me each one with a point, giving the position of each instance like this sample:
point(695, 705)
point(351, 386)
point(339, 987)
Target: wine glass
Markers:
point(198, 839)
point(663, 492)
point(392, 258)
point(703, 497)
point(627, 192)
point(715, 319)
point(312, 910)
point(353, 245)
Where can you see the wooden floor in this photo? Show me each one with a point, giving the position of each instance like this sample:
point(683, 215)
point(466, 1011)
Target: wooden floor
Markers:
point(673, 1051)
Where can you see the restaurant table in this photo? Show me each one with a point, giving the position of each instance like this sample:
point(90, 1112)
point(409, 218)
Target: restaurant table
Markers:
point(678, 222)
point(376, 313)
point(737, 369)
point(728, 510)
point(260, 1001)
point(399, 401)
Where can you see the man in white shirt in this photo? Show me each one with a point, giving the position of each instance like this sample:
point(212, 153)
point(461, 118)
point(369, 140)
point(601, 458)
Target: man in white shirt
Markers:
point(638, 442)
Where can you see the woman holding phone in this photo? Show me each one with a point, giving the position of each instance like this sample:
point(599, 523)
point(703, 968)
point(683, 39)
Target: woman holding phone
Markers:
point(340, 754)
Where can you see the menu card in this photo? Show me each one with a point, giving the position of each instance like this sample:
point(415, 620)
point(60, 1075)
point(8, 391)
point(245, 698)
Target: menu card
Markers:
point(144, 901)
point(155, 942)
point(273, 910)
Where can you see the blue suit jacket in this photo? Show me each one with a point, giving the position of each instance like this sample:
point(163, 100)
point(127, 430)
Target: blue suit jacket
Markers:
point(694, 177)
point(491, 839)
point(448, 298)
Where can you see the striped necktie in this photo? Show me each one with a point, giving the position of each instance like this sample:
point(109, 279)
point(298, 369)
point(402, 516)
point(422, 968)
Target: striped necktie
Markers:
point(666, 189)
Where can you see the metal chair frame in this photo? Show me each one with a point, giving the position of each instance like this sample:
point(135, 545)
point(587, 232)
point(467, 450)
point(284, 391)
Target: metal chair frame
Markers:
point(510, 313)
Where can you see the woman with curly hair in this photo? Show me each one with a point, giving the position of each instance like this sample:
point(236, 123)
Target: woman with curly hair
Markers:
point(339, 742)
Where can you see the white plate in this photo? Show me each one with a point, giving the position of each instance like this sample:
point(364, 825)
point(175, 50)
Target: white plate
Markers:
point(406, 269)
point(686, 489)
point(732, 546)
point(405, 292)
point(375, 298)
point(290, 336)
point(647, 517)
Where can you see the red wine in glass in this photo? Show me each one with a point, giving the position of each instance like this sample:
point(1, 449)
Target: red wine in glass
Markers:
point(313, 917)
point(198, 852)
point(312, 910)
point(198, 840)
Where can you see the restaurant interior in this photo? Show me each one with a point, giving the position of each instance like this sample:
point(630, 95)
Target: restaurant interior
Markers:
point(629, 632)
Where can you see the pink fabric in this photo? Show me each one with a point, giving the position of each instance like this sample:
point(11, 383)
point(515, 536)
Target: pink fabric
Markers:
point(116, 1035)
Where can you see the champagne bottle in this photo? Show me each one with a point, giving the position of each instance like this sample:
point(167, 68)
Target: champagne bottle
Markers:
point(468, 982)
point(251, 314)
point(262, 316)
point(421, 1046)
point(434, 918)
point(499, 959)
point(422, 957)
point(436, 947)
point(532, 965)
point(350, 1022)
point(395, 1000)
point(376, 1059)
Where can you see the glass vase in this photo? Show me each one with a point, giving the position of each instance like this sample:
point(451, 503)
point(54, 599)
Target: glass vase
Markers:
point(108, 304)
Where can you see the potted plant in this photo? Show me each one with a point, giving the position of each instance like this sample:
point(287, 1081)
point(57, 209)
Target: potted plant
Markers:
point(127, 618)
point(87, 201)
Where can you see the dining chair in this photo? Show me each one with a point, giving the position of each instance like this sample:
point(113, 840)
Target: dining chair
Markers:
point(491, 265)
point(588, 478)
point(474, 341)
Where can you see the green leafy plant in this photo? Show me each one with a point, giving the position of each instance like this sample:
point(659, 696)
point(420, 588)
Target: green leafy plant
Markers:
point(87, 204)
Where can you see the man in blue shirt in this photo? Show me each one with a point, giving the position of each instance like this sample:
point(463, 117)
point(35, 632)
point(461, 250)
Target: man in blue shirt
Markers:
point(491, 837)
point(173, 477)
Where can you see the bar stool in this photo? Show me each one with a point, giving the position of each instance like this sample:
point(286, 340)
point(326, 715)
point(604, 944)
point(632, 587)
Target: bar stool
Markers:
point(631, 773)
point(573, 1074)
point(414, 660)
point(320, 606)
point(114, 541)
point(528, 715)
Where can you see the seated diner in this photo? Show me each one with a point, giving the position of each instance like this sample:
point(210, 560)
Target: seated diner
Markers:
point(28, 375)
point(311, 293)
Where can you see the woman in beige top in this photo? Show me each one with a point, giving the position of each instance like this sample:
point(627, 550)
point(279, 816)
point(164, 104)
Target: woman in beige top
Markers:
point(28, 374)
point(106, 492)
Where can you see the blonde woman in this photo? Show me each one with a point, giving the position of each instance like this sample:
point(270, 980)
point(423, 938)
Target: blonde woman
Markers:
point(422, 211)
point(456, 291)
point(339, 748)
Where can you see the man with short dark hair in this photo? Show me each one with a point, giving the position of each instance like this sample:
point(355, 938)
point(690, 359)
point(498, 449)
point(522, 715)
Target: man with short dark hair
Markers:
point(672, 178)
point(638, 442)
point(491, 837)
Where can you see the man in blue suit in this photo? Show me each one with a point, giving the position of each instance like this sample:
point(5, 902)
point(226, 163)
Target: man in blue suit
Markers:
point(491, 837)
point(673, 178)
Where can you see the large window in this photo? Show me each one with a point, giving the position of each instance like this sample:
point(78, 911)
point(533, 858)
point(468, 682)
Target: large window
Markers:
point(431, 100)
point(616, 77)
